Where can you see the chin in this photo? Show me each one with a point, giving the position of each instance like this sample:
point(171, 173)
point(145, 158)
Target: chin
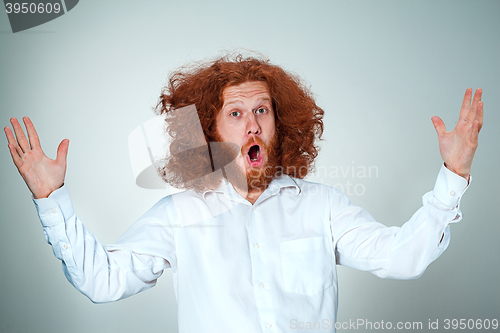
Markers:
point(255, 167)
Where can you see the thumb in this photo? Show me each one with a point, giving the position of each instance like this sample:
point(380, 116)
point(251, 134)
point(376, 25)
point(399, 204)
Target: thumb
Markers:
point(438, 125)
point(62, 151)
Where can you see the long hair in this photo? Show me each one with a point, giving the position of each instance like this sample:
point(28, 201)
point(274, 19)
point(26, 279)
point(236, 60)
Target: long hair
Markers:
point(299, 121)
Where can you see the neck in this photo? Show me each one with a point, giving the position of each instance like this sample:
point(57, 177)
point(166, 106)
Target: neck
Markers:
point(253, 196)
point(250, 196)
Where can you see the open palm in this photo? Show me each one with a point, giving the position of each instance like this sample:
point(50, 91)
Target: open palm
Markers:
point(458, 146)
point(42, 174)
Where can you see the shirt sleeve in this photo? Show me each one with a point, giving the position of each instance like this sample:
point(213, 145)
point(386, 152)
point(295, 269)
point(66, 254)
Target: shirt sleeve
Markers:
point(107, 273)
point(397, 252)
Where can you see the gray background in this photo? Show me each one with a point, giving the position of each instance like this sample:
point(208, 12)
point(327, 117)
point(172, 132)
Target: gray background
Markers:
point(380, 70)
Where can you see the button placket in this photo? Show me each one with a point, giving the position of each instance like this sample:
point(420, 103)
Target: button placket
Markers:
point(262, 290)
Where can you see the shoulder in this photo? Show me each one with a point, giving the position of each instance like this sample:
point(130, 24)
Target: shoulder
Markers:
point(311, 188)
point(169, 202)
point(317, 192)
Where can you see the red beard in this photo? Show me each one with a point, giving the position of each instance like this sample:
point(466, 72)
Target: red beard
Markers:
point(256, 178)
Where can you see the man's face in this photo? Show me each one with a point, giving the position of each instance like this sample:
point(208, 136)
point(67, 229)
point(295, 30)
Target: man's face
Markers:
point(247, 119)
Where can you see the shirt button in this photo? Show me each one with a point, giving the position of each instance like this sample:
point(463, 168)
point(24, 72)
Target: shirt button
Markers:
point(261, 286)
point(269, 325)
point(65, 246)
point(452, 193)
point(256, 245)
point(54, 210)
point(253, 207)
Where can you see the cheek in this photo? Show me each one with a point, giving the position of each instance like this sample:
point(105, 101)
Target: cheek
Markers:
point(229, 134)
point(270, 129)
point(222, 130)
point(231, 131)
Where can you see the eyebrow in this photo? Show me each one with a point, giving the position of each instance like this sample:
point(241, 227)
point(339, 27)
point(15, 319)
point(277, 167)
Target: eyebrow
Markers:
point(260, 100)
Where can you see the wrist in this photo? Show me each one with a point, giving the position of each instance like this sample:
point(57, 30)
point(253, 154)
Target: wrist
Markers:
point(462, 173)
point(45, 193)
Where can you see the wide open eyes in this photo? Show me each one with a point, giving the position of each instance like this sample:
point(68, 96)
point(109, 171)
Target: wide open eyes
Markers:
point(236, 114)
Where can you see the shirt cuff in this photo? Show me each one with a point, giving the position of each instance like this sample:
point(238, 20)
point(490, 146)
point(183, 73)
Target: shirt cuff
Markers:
point(48, 208)
point(450, 187)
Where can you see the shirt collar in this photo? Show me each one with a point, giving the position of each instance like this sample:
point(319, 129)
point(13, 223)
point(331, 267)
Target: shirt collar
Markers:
point(274, 188)
point(281, 182)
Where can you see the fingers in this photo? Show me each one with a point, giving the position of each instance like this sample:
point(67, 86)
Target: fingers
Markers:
point(32, 135)
point(478, 122)
point(464, 111)
point(21, 138)
point(438, 125)
point(479, 115)
point(10, 136)
point(18, 161)
point(477, 97)
point(15, 150)
point(472, 115)
point(474, 135)
point(62, 151)
point(12, 141)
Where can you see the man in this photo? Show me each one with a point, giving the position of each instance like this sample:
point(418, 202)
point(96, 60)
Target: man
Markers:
point(256, 255)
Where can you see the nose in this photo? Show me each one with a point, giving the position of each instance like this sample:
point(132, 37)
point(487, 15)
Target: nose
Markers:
point(253, 126)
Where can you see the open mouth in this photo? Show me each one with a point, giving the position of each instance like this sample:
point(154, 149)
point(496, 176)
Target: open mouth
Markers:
point(254, 155)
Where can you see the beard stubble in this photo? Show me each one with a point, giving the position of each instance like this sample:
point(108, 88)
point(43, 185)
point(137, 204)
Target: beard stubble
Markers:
point(256, 179)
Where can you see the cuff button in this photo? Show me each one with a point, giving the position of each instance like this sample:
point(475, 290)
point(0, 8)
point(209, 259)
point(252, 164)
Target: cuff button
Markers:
point(452, 193)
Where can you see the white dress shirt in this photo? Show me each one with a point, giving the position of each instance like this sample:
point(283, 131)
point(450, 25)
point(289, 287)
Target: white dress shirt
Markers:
point(239, 267)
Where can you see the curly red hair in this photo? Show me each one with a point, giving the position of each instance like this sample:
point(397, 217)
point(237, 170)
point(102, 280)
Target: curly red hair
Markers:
point(299, 121)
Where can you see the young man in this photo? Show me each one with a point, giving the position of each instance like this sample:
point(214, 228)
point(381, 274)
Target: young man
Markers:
point(252, 247)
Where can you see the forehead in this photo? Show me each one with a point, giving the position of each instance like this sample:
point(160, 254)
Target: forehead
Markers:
point(253, 89)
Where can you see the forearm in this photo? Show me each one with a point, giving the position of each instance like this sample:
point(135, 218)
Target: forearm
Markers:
point(101, 275)
point(401, 252)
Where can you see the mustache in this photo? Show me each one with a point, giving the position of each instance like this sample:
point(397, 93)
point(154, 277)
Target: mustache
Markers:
point(263, 147)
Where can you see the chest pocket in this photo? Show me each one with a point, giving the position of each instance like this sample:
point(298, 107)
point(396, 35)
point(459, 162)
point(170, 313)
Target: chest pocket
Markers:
point(307, 265)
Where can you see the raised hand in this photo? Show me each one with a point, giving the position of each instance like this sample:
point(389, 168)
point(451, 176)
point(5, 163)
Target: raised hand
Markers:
point(42, 174)
point(458, 146)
